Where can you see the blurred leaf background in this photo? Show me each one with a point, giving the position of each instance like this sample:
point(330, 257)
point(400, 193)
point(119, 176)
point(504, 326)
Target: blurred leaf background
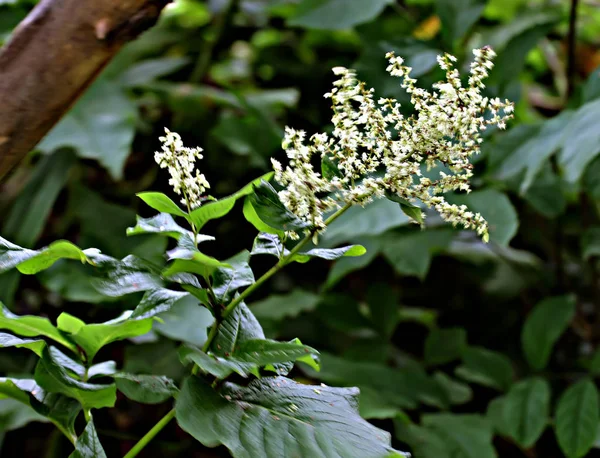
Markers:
point(460, 348)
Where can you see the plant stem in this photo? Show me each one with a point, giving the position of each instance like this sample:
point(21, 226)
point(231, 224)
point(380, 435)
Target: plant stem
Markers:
point(164, 421)
point(228, 310)
point(571, 45)
point(277, 267)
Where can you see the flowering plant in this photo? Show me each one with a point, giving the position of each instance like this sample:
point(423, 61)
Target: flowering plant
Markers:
point(238, 393)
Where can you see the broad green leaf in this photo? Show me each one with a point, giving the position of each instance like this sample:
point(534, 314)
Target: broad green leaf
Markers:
point(118, 278)
point(188, 259)
point(376, 218)
point(271, 210)
point(400, 388)
point(156, 301)
point(487, 368)
point(156, 358)
point(160, 202)
point(253, 218)
point(101, 126)
point(88, 445)
point(186, 321)
point(53, 377)
point(583, 143)
point(290, 418)
point(239, 327)
point(577, 419)
point(214, 210)
point(280, 306)
point(458, 392)
point(445, 345)
point(496, 208)
point(458, 16)
point(15, 415)
point(163, 224)
point(147, 70)
point(411, 253)
point(92, 337)
point(270, 244)
point(335, 14)
point(30, 262)
point(263, 352)
point(526, 410)
point(330, 254)
point(220, 367)
point(18, 389)
point(547, 193)
point(32, 326)
point(226, 281)
point(531, 155)
point(35, 345)
point(449, 436)
point(146, 389)
point(548, 320)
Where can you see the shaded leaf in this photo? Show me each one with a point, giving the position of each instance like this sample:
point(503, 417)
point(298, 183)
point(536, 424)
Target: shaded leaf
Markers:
point(271, 210)
point(279, 306)
point(186, 321)
point(577, 419)
point(486, 368)
point(299, 420)
point(156, 301)
point(226, 281)
point(240, 326)
point(445, 345)
point(548, 320)
point(88, 445)
point(335, 14)
point(146, 389)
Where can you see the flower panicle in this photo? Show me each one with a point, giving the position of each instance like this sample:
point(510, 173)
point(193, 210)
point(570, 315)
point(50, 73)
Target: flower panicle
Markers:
point(377, 150)
point(180, 161)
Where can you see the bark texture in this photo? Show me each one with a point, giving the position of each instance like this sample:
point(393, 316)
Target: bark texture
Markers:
point(53, 56)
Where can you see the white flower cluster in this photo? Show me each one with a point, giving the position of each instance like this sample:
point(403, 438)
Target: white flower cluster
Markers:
point(378, 151)
point(180, 161)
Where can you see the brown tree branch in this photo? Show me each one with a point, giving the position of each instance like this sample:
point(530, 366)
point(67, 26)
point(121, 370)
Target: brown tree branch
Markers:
point(53, 56)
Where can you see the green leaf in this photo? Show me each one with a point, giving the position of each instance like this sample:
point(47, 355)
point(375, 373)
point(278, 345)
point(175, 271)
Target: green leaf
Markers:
point(160, 202)
point(330, 254)
point(458, 392)
point(253, 218)
point(445, 345)
point(240, 326)
point(335, 14)
point(186, 321)
point(30, 262)
point(117, 278)
point(329, 168)
point(298, 420)
point(156, 301)
point(92, 337)
point(280, 306)
point(411, 253)
point(548, 320)
point(271, 211)
point(35, 345)
point(15, 415)
point(266, 243)
point(458, 16)
point(162, 224)
point(577, 419)
point(88, 445)
point(226, 281)
point(583, 143)
point(146, 389)
point(526, 410)
point(32, 326)
point(449, 436)
point(496, 208)
point(101, 126)
point(53, 377)
point(486, 368)
point(220, 367)
point(412, 211)
point(344, 266)
point(214, 210)
point(264, 352)
point(189, 259)
point(148, 70)
point(374, 219)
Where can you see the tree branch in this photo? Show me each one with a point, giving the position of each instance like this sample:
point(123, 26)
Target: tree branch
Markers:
point(53, 56)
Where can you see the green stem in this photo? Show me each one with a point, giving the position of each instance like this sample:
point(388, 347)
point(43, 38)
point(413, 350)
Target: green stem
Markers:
point(164, 421)
point(277, 267)
point(228, 311)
